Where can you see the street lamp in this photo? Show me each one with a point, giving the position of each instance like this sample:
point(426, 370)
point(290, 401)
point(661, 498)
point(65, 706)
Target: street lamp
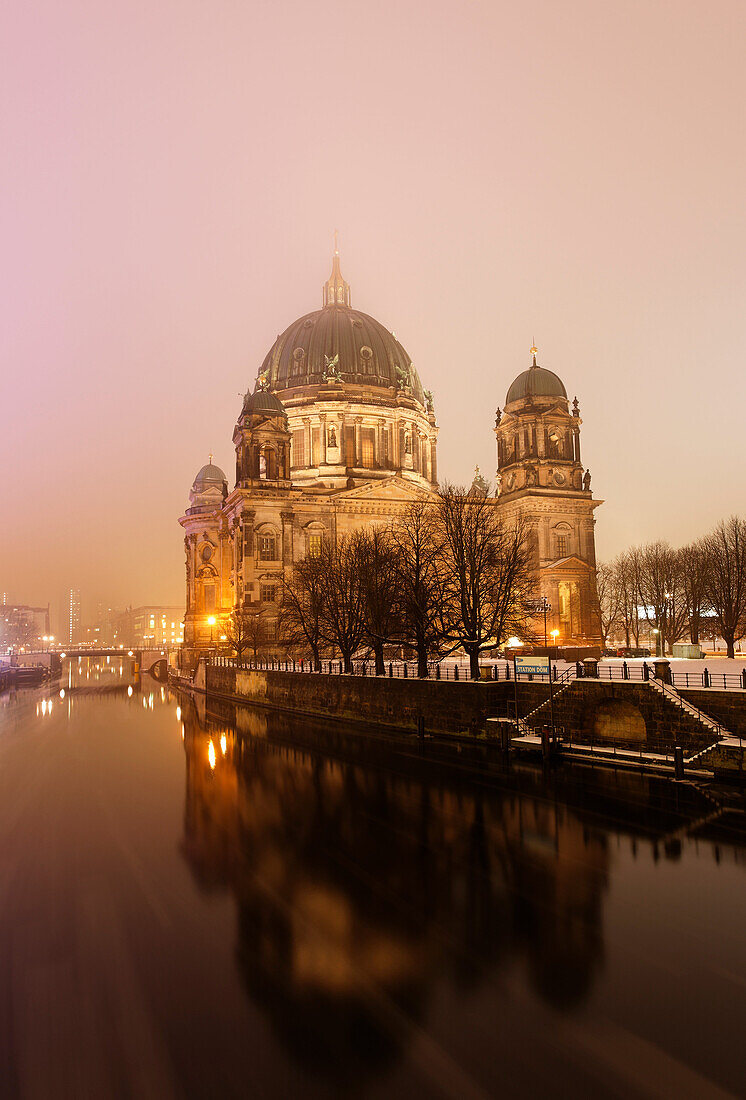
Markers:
point(554, 637)
point(657, 635)
point(211, 621)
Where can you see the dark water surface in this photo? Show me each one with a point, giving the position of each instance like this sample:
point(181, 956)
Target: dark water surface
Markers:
point(220, 903)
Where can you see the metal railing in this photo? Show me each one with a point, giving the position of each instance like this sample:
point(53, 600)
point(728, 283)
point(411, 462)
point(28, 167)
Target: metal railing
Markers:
point(495, 671)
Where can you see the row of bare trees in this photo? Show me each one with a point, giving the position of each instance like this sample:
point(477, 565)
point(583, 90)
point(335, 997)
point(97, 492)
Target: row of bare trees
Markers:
point(448, 574)
point(694, 592)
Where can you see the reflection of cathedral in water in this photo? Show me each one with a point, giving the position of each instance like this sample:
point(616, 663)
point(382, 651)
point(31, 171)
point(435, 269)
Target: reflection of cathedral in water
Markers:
point(359, 890)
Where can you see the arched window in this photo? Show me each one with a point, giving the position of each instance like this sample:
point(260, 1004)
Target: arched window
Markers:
point(267, 544)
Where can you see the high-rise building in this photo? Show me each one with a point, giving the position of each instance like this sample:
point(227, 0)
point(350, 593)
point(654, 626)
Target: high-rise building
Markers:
point(74, 616)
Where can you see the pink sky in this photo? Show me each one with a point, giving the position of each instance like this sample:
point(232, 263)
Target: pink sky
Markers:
point(572, 174)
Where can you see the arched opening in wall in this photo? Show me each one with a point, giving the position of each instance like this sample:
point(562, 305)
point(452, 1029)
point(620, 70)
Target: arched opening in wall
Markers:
point(570, 610)
point(619, 722)
point(268, 463)
point(562, 542)
point(267, 541)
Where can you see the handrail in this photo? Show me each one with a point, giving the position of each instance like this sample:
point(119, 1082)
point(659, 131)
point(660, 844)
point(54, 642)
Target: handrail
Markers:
point(670, 693)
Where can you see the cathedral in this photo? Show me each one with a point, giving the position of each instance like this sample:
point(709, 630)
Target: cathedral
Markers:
point(339, 433)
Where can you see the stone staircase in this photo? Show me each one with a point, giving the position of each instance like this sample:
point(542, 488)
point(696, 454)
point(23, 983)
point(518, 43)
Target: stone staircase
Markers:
point(718, 732)
point(556, 693)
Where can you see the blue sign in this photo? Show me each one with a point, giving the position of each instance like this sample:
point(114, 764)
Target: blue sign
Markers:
point(532, 666)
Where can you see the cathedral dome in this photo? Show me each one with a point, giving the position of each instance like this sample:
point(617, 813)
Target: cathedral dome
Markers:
point(535, 382)
point(339, 342)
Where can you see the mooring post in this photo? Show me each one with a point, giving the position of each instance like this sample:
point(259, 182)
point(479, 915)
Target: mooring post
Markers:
point(421, 727)
point(678, 762)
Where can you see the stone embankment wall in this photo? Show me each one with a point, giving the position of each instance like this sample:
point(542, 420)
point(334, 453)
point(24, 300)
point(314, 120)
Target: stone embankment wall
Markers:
point(447, 707)
point(621, 713)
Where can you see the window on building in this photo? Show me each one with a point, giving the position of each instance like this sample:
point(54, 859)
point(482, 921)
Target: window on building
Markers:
point(367, 442)
point(315, 446)
point(314, 544)
point(561, 546)
point(267, 548)
point(267, 593)
point(299, 448)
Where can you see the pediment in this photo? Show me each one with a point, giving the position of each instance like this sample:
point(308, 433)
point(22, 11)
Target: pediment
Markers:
point(392, 489)
point(570, 564)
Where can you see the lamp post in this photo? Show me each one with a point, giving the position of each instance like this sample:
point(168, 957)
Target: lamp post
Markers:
point(657, 637)
point(555, 633)
point(211, 621)
point(665, 623)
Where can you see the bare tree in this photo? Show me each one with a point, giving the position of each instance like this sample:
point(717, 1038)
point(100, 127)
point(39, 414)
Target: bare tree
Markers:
point(726, 589)
point(487, 572)
point(610, 596)
point(695, 575)
point(416, 538)
point(379, 579)
point(342, 619)
point(238, 632)
point(625, 569)
point(255, 630)
point(661, 591)
point(302, 608)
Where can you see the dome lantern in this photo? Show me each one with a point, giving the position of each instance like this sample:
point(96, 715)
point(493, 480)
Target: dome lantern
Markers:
point(336, 288)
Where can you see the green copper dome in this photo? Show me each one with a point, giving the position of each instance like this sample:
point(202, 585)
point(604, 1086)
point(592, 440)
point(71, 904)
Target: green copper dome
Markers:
point(535, 382)
point(262, 401)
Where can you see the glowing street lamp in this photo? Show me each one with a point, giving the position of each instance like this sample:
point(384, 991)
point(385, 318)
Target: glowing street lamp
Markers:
point(554, 636)
point(211, 622)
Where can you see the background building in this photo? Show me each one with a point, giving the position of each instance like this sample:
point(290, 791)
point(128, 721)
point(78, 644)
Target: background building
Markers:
point(73, 616)
point(152, 626)
point(23, 626)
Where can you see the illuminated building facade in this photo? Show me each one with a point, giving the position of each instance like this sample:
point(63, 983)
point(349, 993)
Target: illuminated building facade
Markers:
point(339, 433)
point(152, 626)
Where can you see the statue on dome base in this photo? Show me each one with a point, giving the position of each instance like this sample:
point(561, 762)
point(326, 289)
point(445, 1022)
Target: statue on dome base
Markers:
point(332, 372)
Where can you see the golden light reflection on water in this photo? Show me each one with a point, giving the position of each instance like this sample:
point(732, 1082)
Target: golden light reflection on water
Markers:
point(211, 754)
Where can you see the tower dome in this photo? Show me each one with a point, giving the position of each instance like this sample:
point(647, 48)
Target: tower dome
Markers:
point(209, 489)
point(208, 476)
point(263, 402)
point(535, 382)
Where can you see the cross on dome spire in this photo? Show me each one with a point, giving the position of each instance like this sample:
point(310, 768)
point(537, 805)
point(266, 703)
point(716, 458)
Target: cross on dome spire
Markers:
point(336, 289)
point(534, 353)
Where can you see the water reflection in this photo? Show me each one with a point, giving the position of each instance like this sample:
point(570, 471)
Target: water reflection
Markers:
point(364, 884)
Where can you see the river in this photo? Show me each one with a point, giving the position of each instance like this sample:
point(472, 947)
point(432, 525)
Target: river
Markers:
point(207, 901)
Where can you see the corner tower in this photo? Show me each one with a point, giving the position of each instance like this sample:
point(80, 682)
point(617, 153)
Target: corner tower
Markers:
point(540, 477)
